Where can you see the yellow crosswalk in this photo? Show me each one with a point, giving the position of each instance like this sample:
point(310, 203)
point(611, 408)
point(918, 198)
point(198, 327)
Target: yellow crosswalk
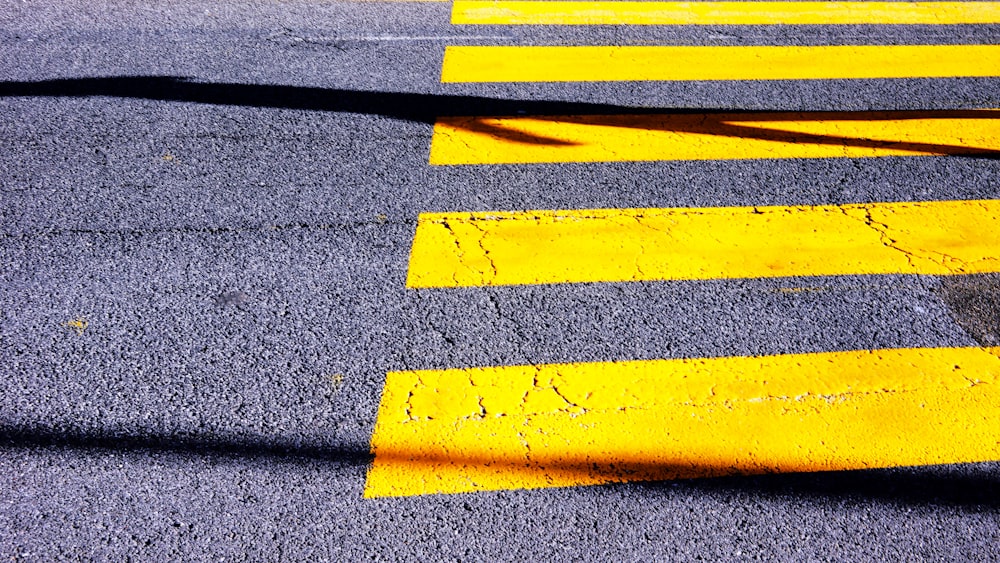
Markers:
point(613, 245)
point(713, 136)
point(520, 427)
point(531, 426)
point(475, 63)
point(506, 12)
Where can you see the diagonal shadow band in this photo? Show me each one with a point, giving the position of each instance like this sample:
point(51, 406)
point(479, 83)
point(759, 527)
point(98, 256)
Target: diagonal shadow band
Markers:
point(427, 108)
point(758, 126)
point(967, 486)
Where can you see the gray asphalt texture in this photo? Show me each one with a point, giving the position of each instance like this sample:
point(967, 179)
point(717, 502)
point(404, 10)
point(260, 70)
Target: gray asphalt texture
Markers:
point(226, 192)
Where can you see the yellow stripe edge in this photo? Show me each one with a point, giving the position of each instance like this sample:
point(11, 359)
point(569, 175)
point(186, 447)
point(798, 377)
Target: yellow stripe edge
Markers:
point(723, 13)
point(713, 136)
point(465, 63)
point(553, 425)
point(628, 245)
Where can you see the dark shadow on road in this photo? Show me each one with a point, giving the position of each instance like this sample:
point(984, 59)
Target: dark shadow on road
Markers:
point(423, 108)
point(961, 486)
point(967, 486)
point(275, 450)
point(427, 108)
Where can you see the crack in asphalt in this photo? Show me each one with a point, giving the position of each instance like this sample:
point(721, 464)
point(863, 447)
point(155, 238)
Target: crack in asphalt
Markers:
point(345, 225)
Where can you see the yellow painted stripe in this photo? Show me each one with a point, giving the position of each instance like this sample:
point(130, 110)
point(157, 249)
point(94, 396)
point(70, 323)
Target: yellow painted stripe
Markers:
point(614, 245)
point(609, 138)
point(721, 13)
point(583, 64)
point(523, 427)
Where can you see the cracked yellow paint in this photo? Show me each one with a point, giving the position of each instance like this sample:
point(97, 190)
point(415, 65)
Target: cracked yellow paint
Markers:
point(491, 12)
point(522, 427)
point(713, 136)
point(601, 63)
point(614, 245)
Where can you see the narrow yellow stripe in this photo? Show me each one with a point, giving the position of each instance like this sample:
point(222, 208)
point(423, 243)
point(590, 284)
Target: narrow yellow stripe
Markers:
point(523, 427)
point(583, 64)
point(613, 245)
point(609, 138)
point(722, 13)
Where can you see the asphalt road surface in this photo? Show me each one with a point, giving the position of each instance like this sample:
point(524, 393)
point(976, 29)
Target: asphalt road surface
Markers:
point(207, 212)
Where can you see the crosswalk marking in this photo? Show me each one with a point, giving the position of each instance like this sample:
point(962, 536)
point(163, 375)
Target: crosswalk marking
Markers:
point(517, 427)
point(491, 12)
point(708, 136)
point(600, 63)
point(616, 245)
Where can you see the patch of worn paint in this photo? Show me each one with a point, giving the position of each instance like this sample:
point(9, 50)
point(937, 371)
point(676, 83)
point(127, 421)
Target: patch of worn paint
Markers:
point(514, 427)
point(336, 380)
point(77, 325)
point(975, 305)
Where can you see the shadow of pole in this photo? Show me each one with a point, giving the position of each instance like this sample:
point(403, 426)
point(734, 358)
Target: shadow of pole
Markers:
point(148, 443)
point(427, 108)
point(967, 486)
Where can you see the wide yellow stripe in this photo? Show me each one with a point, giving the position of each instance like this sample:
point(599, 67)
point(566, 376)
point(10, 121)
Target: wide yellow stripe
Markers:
point(523, 427)
point(582, 64)
point(722, 13)
point(609, 138)
point(614, 245)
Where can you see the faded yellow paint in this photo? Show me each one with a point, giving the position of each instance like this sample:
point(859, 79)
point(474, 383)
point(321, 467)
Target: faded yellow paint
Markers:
point(522, 427)
point(792, 290)
point(337, 380)
point(493, 12)
point(592, 63)
point(615, 245)
point(713, 136)
point(77, 325)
